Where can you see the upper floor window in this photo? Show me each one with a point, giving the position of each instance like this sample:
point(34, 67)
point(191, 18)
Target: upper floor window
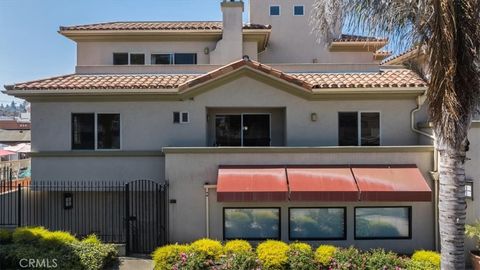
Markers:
point(92, 131)
point(120, 58)
point(358, 128)
point(174, 58)
point(274, 10)
point(137, 59)
point(298, 10)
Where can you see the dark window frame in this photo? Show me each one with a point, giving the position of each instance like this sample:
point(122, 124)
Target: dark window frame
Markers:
point(170, 56)
point(344, 237)
point(382, 238)
point(136, 53)
point(72, 145)
point(95, 131)
point(180, 115)
point(295, 10)
point(279, 236)
point(274, 6)
point(123, 53)
point(359, 126)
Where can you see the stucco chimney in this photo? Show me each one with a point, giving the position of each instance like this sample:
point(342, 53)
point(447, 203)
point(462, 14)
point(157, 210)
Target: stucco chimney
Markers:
point(230, 47)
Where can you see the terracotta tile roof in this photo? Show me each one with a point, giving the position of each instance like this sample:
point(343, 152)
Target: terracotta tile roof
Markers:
point(357, 38)
point(166, 25)
point(413, 51)
point(182, 82)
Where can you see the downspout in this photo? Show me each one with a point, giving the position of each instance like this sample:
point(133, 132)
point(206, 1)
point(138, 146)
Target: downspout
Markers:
point(420, 100)
point(207, 188)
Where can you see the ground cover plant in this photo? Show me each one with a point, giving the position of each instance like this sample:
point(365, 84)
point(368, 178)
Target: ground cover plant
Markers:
point(206, 254)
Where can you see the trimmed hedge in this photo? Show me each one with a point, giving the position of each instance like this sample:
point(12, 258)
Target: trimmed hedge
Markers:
point(55, 249)
point(206, 254)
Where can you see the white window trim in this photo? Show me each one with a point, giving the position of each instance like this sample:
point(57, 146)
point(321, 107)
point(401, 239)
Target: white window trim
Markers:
point(181, 117)
point(270, 10)
point(95, 130)
point(241, 125)
point(359, 119)
point(303, 8)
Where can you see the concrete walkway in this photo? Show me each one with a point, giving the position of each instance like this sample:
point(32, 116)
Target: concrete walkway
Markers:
point(133, 263)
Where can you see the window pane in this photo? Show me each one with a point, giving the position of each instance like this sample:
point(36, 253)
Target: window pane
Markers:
point(252, 223)
point(184, 117)
point(137, 59)
point(317, 223)
point(108, 131)
point(83, 134)
point(275, 10)
point(176, 117)
point(162, 59)
point(227, 130)
point(120, 58)
point(298, 10)
point(185, 58)
point(370, 129)
point(347, 128)
point(256, 130)
point(393, 222)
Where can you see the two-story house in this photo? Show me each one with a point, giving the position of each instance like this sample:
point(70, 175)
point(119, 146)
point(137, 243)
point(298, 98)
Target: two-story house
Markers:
point(261, 130)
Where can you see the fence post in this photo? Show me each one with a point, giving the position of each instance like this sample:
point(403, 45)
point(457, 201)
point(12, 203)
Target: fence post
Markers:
point(127, 218)
point(19, 207)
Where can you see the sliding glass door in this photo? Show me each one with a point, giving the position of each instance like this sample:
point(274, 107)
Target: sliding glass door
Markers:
point(242, 130)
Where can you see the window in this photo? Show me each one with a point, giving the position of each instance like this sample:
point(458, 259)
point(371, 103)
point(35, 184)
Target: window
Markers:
point(298, 10)
point(181, 117)
point(251, 223)
point(83, 131)
point(162, 59)
point(185, 58)
point(108, 131)
point(120, 58)
point(137, 59)
point(383, 223)
point(317, 223)
point(242, 130)
point(274, 10)
point(105, 126)
point(358, 128)
point(469, 189)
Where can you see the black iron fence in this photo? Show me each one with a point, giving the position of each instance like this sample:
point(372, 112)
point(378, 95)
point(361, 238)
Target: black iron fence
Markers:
point(134, 213)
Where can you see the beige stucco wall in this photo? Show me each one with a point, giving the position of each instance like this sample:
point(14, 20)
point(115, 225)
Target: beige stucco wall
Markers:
point(186, 186)
point(292, 39)
point(472, 171)
point(101, 53)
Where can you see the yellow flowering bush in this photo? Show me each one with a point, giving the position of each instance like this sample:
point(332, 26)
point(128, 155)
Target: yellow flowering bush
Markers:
point(324, 254)
point(426, 257)
point(273, 255)
point(167, 256)
point(237, 246)
point(210, 249)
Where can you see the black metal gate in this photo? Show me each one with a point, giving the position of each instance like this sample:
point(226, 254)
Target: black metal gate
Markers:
point(146, 211)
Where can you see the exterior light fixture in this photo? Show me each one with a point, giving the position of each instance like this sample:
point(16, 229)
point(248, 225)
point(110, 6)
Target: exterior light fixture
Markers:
point(313, 117)
point(206, 50)
point(469, 189)
point(67, 201)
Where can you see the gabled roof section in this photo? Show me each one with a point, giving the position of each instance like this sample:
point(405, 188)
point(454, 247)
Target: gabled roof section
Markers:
point(157, 25)
point(404, 56)
point(307, 85)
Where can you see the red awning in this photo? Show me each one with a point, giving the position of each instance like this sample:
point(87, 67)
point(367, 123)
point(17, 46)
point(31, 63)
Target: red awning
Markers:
point(322, 184)
point(392, 184)
point(251, 184)
point(6, 153)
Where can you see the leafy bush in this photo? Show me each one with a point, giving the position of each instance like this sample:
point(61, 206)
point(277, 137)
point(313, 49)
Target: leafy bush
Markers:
point(273, 255)
point(301, 257)
point(167, 256)
point(92, 239)
point(473, 231)
point(5, 236)
point(380, 259)
point(425, 258)
point(347, 259)
point(237, 246)
point(242, 260)
point(324, 255)
point(210, 249)
point(55, 249)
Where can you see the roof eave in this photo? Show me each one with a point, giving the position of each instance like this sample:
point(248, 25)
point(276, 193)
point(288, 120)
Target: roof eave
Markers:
point(357, 46)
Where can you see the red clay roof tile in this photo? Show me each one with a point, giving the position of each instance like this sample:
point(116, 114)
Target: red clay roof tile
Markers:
point(166, 25)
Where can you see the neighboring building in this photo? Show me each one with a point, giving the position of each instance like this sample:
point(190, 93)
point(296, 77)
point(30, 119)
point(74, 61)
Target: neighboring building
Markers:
point(260, 131)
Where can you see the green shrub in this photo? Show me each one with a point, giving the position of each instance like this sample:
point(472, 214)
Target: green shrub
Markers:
point(242, 260)
point(324, 255)
point(273, 255)
point(209, 249)
point(5, 236)
point(92, 239)
point(93, 256)
point(57, 238)
point(167, 256)
point(237, 246)
point(425, 258)
point(301, 257)
point(28, 234)
point(380, 259)
point(348, 258)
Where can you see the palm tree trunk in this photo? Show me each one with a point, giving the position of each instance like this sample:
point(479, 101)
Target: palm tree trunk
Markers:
point(452, 207)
